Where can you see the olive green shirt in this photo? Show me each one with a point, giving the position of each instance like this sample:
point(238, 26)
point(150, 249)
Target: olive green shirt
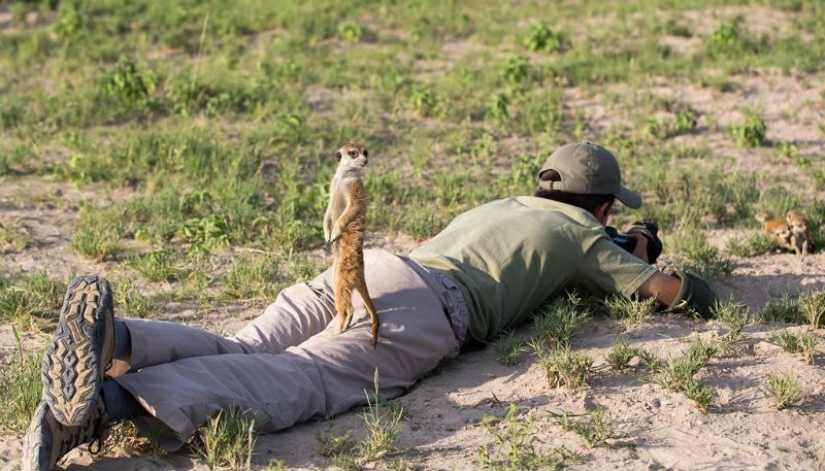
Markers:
point(509, 256)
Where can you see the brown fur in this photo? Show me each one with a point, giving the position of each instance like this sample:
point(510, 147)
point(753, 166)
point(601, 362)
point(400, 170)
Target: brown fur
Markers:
point(800, 231)
point(777, 229)
point(344, 225)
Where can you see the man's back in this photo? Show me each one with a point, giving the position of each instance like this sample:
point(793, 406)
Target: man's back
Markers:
point(510, 255)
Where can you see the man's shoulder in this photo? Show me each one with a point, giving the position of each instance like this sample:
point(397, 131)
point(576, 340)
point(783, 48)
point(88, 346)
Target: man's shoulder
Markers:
point(558, 209)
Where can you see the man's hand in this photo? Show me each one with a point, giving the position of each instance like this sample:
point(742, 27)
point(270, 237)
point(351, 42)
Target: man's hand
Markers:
point(650, 232)
point(640, 250)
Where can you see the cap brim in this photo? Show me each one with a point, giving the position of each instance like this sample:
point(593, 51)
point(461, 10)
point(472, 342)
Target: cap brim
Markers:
point(629, 198)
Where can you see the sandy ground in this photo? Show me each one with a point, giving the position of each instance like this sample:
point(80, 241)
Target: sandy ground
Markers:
point(658, 429)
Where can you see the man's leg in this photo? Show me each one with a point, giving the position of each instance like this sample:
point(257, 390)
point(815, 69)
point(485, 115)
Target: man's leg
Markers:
point(322, 376)
point(299, 312)
point(72, 411)
point(87, 340)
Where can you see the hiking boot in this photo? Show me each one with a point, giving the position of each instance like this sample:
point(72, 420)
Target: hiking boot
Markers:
point(47, 440)
point(80, 351)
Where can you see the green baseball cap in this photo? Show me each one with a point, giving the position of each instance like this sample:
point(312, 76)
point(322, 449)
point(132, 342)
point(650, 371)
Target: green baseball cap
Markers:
point(589, 169)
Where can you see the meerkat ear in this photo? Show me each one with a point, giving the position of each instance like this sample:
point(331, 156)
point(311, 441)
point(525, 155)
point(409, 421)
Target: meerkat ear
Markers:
point(338, 156)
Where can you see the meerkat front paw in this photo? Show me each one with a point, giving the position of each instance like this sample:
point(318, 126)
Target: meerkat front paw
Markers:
point(335, 235)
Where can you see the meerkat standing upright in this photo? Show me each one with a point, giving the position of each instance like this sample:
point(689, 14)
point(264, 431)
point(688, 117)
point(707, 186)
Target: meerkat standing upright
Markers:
point(800, 231)
point(777, 229)
point(344, 225)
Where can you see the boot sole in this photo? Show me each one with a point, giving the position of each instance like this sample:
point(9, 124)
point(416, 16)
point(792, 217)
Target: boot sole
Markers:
point(80, 350)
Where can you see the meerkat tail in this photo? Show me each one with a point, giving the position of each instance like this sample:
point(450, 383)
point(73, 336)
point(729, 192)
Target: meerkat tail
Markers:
point(372, 312)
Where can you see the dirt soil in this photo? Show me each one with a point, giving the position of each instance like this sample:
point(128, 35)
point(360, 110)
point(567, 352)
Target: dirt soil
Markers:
point(659, 429)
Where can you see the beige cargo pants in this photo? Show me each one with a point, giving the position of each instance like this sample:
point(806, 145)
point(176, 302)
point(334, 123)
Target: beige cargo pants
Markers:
point(286, 366)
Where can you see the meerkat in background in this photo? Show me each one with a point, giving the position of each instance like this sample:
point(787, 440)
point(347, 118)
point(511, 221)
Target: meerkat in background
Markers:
point(344, 225)
point(800, 231)
point(777, 229)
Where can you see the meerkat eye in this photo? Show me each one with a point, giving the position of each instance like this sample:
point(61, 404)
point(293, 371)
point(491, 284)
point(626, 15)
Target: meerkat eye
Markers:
point(338, 155)
point(353, 153)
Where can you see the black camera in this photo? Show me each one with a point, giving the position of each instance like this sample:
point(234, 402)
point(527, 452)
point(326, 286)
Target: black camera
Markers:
point(651, 232)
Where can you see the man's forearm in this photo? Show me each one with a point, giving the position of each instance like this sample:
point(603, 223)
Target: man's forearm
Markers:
point(663, 286)
point(679, 289)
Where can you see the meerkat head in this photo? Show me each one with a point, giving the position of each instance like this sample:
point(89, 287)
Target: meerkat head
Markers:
point(782, 231)
point(352, 155)
point(763, 216)
point(795, 218)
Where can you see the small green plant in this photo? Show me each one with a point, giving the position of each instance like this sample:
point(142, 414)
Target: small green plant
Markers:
point(788, 150)
point(684, 122)
point(678, 374)
point(252, 277)
point(808, 342)
point(516, 70)
point(96, 243)
point(654, 128)
point(754, 244)
point(812, 307)
point(194, 286)
point(159, 265)
point(751, 132)
point(14, 237)
point(70, 21)
point(680, 371)
point(541, 38)
point(382, 430)
point(337, 446)
point(514, 444)
point(725, 39)
point(784, 310)
point(382, 420)
point(18, 12)
point(700, 352)
point(558, 321)
point(565, 368)
point(730, 41)
point(207, 232)
point(631, 311)
point(699, 256)
point(26, 299)
point(621, 355)
point(20, 388)
point(784, 389)
point(647, 358)
point(127, 85)
point(735, 316)
point(498, 109)
point(227, 440)
point(131, 302)
point(350, 31)
point(597, 427)
point(788, 341)
point(422, 100)
point(508, 348)
point(701, 394)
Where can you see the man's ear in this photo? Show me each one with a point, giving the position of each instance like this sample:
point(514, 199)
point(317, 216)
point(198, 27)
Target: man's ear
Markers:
point(602, 211)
